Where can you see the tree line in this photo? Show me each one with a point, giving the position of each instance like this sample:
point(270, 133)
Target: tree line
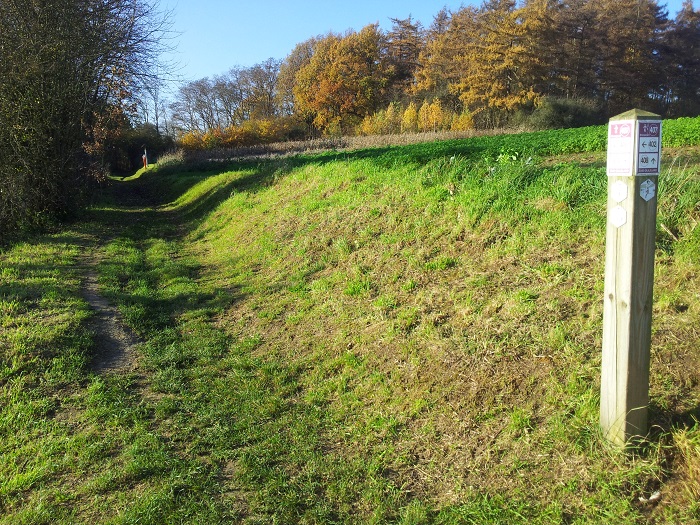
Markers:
point(540, 63)
point(81, 84)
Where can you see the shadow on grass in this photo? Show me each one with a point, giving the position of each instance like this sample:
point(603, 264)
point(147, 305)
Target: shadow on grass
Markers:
point(31, 282)
point(666, 419)
point(149, 315)
point(160, 188)
point(138, 206)
point(30, 278)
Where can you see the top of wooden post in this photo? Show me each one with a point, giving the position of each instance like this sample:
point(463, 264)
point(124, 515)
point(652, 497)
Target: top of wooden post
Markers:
point(636, 114)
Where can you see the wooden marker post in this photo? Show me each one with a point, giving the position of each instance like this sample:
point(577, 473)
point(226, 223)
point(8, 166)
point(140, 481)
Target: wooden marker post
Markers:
point(633, 164)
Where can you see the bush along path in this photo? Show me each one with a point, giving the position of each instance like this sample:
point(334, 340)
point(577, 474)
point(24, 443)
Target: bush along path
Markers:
point(406, 335)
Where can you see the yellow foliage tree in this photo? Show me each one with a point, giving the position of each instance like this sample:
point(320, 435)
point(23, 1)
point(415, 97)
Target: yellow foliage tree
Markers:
point(500, 69)
point(440, 64)
point(409, 119)
point(384, 122)
point(192, 140)
point(367, 126)
point(462, 122)
point(431, 116)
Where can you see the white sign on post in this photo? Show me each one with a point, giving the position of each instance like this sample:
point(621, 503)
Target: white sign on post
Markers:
point(620, 148)
point(623, 135)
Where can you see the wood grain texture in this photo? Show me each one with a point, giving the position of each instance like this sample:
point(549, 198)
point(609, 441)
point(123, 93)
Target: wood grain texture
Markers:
point(629, 281)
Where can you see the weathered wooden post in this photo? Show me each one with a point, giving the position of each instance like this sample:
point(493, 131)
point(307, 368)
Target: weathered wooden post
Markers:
point(633, 163)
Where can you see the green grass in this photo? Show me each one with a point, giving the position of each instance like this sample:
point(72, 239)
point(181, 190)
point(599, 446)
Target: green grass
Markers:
point(400, 335)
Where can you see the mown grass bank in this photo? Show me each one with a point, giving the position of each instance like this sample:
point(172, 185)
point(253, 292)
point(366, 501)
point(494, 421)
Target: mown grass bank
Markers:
point(394, 335)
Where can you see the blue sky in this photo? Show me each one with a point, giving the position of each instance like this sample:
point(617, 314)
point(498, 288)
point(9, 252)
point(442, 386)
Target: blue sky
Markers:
point(216, 35)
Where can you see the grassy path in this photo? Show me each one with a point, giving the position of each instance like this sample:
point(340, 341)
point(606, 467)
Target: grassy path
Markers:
point(377, 338)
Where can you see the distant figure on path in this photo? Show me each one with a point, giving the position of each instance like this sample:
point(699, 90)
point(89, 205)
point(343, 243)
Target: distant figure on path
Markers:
point(145, 157)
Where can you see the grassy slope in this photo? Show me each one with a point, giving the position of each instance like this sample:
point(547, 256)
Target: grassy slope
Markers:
point(395, 335)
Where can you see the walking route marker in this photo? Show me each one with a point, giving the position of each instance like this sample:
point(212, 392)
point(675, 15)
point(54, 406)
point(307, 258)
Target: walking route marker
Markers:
point(633, 164)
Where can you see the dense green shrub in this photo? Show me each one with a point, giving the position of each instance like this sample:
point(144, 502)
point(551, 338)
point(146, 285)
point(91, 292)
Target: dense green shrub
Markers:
point(556, 113)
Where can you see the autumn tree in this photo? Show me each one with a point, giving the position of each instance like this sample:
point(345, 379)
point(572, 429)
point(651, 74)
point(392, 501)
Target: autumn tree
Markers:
point(287, 78)
point(308, 103)
point(197, 106)
point(576, 42)
point(628, 36)
point(678, 67)
point(69, 71)
point(438, 70)
point(227, 100)
point(345, 79)
point(259, 84)
point(431, 116)
point(502, 66)
point(230, 96)
point(409, 119)
point(405, 41)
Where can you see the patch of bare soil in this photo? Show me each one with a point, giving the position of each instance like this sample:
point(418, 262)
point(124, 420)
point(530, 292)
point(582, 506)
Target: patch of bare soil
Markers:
point(115, 343)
